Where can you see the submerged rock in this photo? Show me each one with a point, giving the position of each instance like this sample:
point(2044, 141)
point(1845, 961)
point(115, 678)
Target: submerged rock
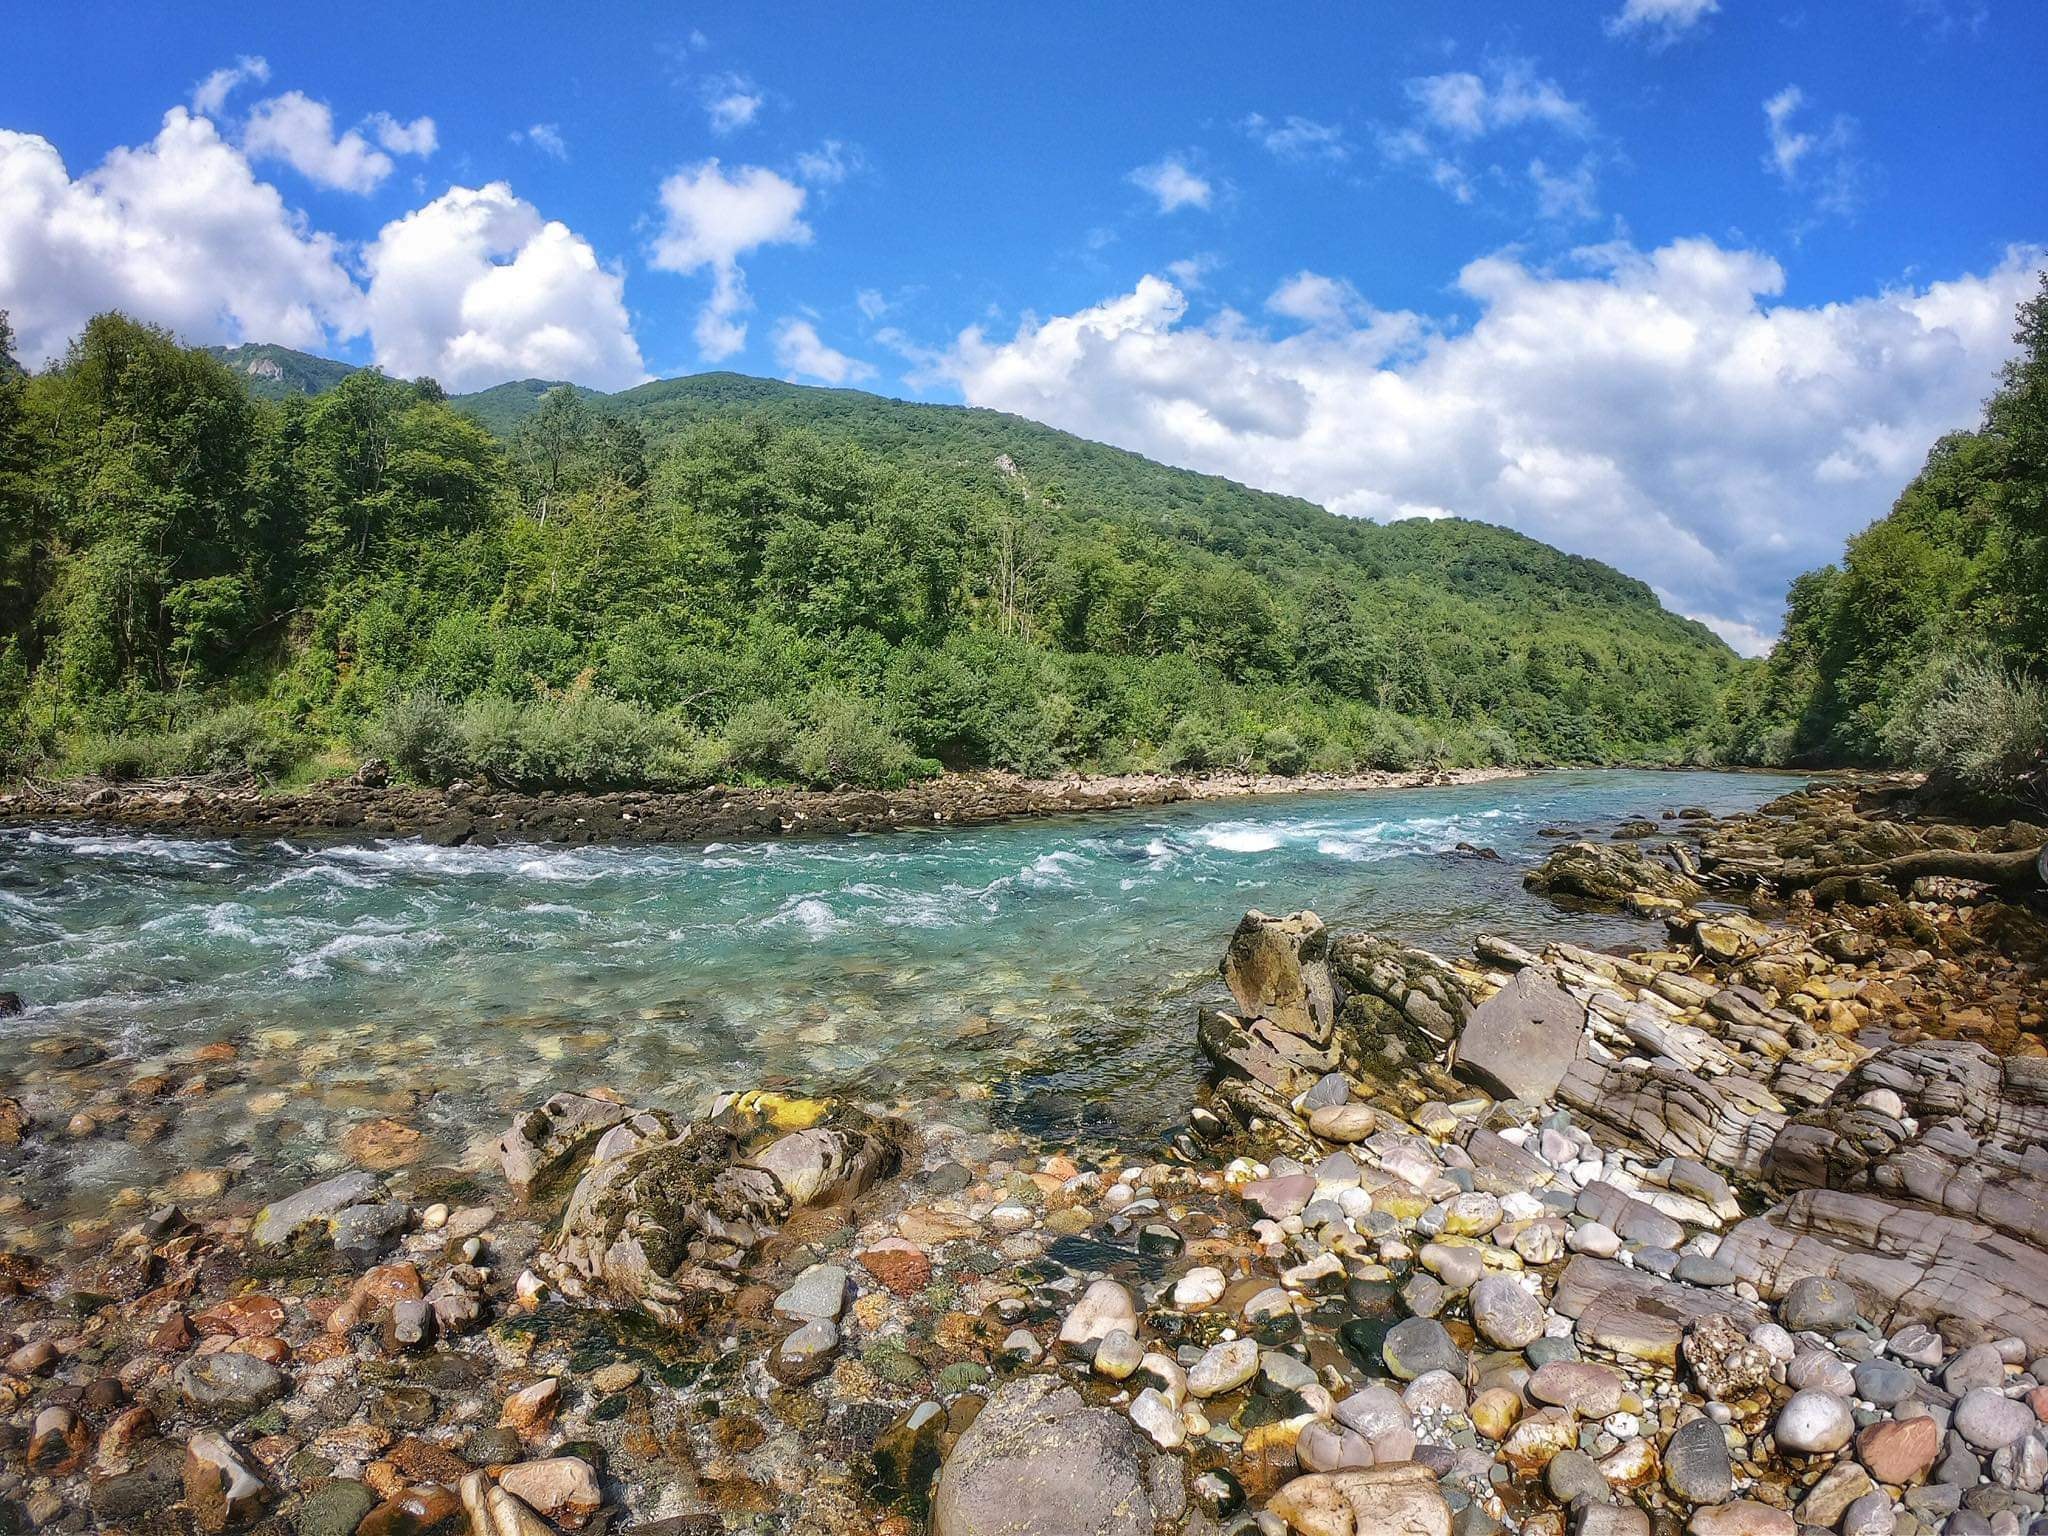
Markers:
point(1040, 1462)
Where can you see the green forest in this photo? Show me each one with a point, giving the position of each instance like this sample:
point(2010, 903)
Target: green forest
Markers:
point(1928, 645)
point(726, 579)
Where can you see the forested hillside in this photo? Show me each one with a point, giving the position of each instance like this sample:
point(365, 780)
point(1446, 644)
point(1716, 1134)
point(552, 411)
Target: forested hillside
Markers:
point(726, 578)
point(1928, 644)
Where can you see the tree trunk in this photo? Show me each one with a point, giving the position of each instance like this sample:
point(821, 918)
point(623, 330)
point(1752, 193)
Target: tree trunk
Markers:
point(2019, 870)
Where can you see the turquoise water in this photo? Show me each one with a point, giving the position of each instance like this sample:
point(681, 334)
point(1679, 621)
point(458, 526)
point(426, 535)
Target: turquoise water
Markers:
point(1048, 969)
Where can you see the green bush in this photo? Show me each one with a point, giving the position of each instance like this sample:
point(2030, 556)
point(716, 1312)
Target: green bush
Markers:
point(241, 736)
point(1973, 721)
point(415, 733)
point(1281, 751)
point(1197, 744)
point(847, 743)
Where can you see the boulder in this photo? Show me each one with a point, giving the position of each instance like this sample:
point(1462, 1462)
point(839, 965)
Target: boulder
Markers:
point(665, 1225)
point(1607, 874)
point(281, 1221)
point(1519, 1042)
point(1040, 1462)
point(1401, 1499)
point(543, 1142)
point(1277, 968)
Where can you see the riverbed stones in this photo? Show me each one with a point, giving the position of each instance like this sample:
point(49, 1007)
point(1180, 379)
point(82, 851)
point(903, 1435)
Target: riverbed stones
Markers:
point(1590, 1390)
point(1343, 1123)
point(221, 1488)
point(543, 1142)
point(1743, 1517)
point(1037, 1461)
point(818, 1294)
point(1277, 968)
point(1817, 1304)
point(1105, 1307)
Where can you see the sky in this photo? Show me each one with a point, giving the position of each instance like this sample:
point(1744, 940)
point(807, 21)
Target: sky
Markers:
point(1690, 286)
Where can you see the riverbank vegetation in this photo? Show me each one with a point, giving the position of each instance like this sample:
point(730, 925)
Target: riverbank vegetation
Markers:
point(1928, 645)
point(721, 578)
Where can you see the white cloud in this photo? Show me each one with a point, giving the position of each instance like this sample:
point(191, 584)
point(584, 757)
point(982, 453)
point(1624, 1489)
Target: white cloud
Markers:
point(1172, 185)
point(545, 137)
point(801, 354)
point(731, 102)
point(710, 220)
point(177, 231)
point(1297, 138)
point(1466, 106)
point(830, 163)
point(418, 137)
point(871, 303)
point(476, 288)
point(1316, 300)
point(298, 130)
point(1657, 410)
point(1455, 113)
point(211, 94)
point(1823, 164)
point(1565, 194)
point(1662, 21)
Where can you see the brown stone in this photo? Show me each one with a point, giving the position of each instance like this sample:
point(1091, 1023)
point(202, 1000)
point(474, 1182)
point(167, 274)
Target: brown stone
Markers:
point(243, 1317)
point(1899, 1451)
point(899, 1264)
point(382, 1145)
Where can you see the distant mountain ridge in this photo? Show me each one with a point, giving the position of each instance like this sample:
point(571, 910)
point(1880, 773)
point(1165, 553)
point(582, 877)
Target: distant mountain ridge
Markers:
point(966, 444)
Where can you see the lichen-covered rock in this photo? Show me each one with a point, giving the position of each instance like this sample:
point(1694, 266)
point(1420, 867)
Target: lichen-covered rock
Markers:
point(1607, 874)
point(543, 1142)
point(664, 1225)
point(1278, 968)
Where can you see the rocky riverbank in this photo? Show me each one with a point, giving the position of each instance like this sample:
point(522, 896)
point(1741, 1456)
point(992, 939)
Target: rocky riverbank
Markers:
point(368, 806)
point(1744, 1235)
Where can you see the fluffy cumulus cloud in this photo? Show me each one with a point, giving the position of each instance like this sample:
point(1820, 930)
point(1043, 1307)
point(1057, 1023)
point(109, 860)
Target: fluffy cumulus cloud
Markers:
point(1654, 409)
point(1661, 21)
point(477, 287)
point(1172, 185)
point(545, 137)
point(712, 217)
point(1294, 137)
point(299, 131)
point(177, 231)
point(802, 354)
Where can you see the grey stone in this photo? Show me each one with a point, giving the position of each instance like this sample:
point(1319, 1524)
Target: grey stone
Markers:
point(1988, 1421)
point(1518, 1043)
point(363, 1234)
point(1418, 1345)
point(1696, 1464)
point(231, 1386)
point(1817, 1305)
point(1039, 1462)
point(282, 1220)
point(1572, 1474)
point(1814, 1422)
point(1505, 1314)
point(819, 1293)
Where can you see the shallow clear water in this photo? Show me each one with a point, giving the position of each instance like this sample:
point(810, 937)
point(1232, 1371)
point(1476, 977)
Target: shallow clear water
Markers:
point(1053, 966)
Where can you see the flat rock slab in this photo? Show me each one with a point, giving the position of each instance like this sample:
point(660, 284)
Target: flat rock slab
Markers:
point(1518, 1043)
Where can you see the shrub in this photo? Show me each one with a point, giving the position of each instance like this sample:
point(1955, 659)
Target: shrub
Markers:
point(761, 737)
point(415, 732)
point(241, 736)
point(1975, 722)
point(1197, 744)
point(847, 743)
point(1282, 751)
point(119, 756)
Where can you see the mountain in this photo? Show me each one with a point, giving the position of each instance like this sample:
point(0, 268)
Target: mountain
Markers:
point(969, 446)
point(271, 372)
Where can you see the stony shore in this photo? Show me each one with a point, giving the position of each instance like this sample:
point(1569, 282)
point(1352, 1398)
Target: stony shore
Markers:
point(1746, 1235)
point(367, 806)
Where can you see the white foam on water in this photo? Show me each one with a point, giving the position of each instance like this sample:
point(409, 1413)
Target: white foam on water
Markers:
point(1241, 837)
point(810, 913)
point(370, 946)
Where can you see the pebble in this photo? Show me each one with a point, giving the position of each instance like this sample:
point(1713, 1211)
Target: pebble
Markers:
point(1814, 1423)
point(1696, 1464)
point(1504, 1312)
point(1989, 1421)
point(1419, 1345)
point(1224, 1367)
point(1198, 1288)
point(1103, 1308)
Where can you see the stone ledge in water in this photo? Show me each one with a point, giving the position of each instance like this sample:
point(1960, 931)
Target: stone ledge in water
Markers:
point(1606, 874)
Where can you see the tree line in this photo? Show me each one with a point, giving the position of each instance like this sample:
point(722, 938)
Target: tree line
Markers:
point(705, 580)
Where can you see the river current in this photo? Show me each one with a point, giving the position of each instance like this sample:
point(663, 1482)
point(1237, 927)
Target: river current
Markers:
point(1045, 972)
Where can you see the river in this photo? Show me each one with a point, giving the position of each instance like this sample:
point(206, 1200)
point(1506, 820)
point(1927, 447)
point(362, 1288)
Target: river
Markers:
point(1047, 971)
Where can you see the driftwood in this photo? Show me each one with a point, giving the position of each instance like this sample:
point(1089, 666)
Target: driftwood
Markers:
point(2020, 869)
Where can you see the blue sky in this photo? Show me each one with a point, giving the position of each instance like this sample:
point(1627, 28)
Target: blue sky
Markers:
point(1683, 284)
